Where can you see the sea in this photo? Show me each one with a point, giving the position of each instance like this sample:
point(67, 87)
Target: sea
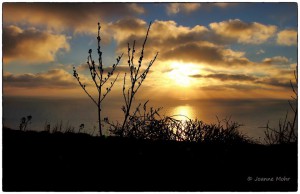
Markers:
point(252, 114)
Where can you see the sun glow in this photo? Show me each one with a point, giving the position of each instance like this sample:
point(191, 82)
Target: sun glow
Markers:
point(181, 73)
point(184, 112)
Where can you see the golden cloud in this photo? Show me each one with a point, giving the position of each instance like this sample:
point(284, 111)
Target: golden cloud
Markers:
point(198, 42)
point(277, 60)
point(31, 45)
point(224, 5)
point(287, 37)
point(166, 33)
point(242, 32)
point(136, 8)
point(175, 42)
point(208, 54)
point(163, 36)
point(123, 29)
point(174, 8)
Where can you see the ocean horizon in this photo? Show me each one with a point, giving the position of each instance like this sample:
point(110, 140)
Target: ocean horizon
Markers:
point(252, 114)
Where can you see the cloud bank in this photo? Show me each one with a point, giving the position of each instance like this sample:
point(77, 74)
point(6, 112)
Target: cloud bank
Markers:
point(78, 17)
point(56, 78)
point(31, 45)
point(242, 32)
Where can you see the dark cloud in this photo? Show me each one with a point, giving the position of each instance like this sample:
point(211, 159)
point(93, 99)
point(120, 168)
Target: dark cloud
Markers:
point(55, 78)
point(226, 77)
point(119, 68)
point(224, 87)
point(254, 81)
point(75, 16)
point(274, 82)
point(194, 53)
point(243, 87)
point(129, 24)
point(205, 53)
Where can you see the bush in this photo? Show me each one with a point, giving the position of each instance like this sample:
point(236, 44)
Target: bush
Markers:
point(150, 125)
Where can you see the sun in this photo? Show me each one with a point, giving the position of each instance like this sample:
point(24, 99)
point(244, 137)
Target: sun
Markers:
point(181, 73)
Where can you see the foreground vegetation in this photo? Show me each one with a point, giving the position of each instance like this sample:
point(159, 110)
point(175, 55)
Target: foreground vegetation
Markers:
point(43, 161)
point(148, 124)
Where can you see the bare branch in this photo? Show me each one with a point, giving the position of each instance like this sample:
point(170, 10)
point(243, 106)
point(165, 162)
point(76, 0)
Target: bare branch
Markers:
point(149, 66)
point(93, 70)
point(123, 91)
point(83, 86)
point(109, 88)
point(110, 73)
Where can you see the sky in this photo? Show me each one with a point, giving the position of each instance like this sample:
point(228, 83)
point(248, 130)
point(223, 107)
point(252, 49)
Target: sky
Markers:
point(205, 50)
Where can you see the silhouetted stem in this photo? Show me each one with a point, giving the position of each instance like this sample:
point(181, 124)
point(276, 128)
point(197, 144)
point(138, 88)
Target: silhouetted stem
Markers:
point(134, 77)
point(99, 80)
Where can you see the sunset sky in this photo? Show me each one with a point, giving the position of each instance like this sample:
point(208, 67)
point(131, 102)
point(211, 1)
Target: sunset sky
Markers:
point(206, 50)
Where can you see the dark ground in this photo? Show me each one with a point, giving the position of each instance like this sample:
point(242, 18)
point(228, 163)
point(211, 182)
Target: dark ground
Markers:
point(41, 161)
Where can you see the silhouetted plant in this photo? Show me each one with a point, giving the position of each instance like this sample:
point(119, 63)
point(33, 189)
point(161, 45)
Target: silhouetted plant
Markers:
point(94, 129)
point(136, 78)
point(286, 132)
point(24, 122)
point(58, 127)
point(98, 78)
point(69, 129)
point(81, 127)
point(47, 127)
point(148, 124)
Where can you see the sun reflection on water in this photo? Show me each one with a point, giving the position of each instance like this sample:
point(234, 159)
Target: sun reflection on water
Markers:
point(185, 112)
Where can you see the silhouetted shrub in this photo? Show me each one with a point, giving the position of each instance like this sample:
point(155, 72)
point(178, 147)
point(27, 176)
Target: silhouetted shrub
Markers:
point(59, 127)
point(81, 127)
point(24, 122)
point(287, 130)
point(148, 124)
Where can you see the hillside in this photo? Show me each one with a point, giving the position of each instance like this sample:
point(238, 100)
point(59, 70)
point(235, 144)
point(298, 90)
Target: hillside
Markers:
point(39, 161)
